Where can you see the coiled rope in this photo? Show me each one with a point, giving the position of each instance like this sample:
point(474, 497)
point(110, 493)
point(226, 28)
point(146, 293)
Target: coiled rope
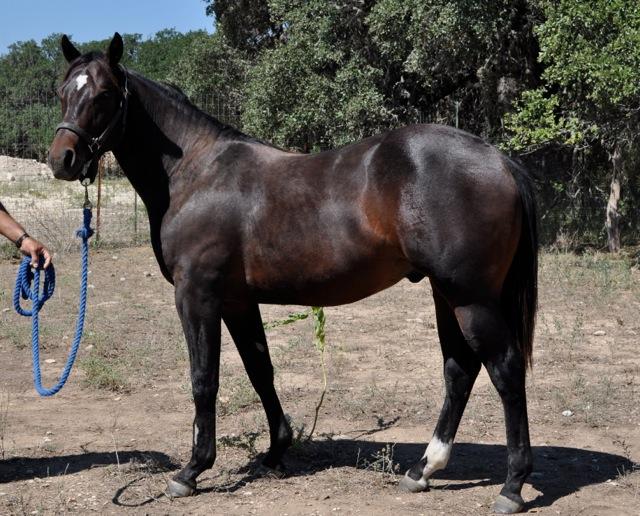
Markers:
point(28, 287)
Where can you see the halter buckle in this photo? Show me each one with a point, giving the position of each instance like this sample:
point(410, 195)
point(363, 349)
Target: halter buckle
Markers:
point(87, 203)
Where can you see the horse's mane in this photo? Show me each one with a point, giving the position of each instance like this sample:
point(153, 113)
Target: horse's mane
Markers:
point(174, 93)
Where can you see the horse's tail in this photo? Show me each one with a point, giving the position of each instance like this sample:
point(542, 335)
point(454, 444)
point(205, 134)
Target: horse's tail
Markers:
point(520, 290)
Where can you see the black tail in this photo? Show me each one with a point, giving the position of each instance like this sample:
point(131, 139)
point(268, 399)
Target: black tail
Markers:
point(520, 291)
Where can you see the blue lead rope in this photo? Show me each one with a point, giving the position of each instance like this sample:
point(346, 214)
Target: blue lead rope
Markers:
point(28, 287)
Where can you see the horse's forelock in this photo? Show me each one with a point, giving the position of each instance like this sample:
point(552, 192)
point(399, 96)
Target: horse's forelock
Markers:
point(83, 60)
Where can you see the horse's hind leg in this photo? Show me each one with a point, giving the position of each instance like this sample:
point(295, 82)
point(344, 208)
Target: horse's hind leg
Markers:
point(487, 332)
point(245, 326)
point(461, 366)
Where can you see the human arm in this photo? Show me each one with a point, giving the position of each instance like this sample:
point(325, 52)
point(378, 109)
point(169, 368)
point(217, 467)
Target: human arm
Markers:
point(29, 246)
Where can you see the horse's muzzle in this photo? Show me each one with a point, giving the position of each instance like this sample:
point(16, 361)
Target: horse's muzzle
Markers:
point(64, 159)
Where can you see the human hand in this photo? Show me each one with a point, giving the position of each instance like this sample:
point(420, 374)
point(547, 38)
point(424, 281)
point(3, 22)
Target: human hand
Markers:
point(33, 248)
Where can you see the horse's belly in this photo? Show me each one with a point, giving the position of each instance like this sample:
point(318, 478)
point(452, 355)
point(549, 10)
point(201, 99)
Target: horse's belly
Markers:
point(356, 282)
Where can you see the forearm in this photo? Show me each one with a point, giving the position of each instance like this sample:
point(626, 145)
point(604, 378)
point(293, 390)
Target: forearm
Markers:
point(8, 226)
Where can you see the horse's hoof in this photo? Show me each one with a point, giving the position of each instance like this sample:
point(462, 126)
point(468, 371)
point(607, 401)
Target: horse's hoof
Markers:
point(412, 486)
point(506, 505)
point(267, 471)
point(177, 489)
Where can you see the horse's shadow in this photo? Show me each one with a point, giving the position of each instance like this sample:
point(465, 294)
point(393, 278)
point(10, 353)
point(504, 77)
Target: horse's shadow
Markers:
point(558, 471)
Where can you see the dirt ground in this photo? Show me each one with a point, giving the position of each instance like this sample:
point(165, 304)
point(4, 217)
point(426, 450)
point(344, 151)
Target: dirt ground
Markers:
point(109, 440)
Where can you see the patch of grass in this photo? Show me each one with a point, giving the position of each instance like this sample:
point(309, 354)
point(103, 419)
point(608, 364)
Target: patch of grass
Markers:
point(245, 441)
point(380, 462)
point(102, 374)
point(604, 272)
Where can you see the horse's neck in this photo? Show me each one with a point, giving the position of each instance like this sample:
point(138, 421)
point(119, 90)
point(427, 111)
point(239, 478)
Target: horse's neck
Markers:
point(160, 133)
point(155, 142)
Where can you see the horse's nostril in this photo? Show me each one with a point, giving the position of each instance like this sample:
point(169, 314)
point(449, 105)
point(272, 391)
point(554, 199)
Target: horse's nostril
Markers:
point(69, 159)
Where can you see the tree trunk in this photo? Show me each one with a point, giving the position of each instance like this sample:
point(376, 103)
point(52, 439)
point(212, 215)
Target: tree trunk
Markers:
point(613, 217)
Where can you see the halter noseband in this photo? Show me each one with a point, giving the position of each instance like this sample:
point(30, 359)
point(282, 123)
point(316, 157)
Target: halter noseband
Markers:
point(96, 143)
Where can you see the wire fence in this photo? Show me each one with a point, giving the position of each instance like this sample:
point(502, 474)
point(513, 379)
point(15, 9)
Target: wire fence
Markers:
point(51, 210)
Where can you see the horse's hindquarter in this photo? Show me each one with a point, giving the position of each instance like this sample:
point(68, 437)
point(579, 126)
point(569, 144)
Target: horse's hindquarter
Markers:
point(460, 214)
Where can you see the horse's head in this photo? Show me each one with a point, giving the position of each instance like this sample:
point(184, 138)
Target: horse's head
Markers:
point(94, 100)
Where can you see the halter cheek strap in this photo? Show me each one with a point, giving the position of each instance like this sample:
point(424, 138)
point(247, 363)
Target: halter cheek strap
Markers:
point(95, 144)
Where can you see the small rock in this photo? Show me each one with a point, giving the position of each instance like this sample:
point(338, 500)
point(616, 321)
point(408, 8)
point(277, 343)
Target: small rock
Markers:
point(89, 347)
point(50, 361)
point(123, 279)
point(567, 413)
point(46, 440)
point(147, 274)
point(49, 432)
point(91, 286)
point(117, 398)
point(114, 257)
point(5, 310)
point(599, 333)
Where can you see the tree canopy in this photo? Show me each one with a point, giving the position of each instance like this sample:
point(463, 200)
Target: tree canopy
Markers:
point(556, 83)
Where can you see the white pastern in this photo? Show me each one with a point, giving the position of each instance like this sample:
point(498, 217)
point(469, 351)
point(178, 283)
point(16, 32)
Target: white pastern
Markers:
point(81, 80)
point(437, 455)
point(195, 435)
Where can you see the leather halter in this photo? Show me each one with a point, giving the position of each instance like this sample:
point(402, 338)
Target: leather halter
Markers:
point(95, 144)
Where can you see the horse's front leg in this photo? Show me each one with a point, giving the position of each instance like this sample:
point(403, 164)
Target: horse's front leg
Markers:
point(245, 326)
point(199, 308)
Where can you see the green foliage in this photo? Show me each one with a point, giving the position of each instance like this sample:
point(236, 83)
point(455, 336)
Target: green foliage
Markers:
point(319, 321)
point(593, 49)
point(209, 66)
point(588, 104)
point(535, 122)
point(591, 53)
point(291, 318)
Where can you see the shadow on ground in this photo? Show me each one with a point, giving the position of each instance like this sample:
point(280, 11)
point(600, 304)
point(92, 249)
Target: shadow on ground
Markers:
point(558, 471)
point(25, 468)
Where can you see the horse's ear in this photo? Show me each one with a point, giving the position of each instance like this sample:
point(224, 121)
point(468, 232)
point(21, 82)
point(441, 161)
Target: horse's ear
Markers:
point(114, 52)
point(68, 50)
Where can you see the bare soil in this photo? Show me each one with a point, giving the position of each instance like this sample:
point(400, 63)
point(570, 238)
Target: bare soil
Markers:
point(109, 440)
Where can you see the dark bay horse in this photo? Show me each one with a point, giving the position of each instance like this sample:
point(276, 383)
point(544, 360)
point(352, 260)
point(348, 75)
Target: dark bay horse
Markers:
point(236, 222)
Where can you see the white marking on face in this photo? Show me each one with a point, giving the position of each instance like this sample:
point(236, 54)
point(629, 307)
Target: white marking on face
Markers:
point(81, 80)
point(195, 435)
point(437, 455)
